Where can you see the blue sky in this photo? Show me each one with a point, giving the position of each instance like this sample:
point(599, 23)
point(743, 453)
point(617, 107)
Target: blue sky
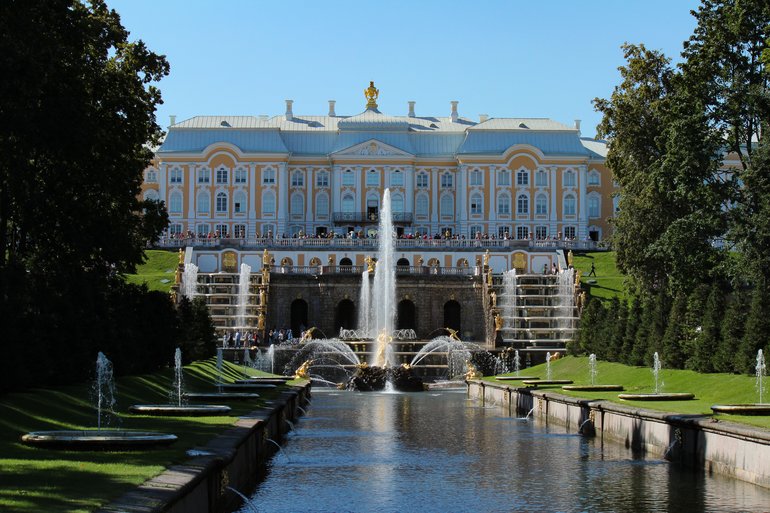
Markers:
point(501, 58)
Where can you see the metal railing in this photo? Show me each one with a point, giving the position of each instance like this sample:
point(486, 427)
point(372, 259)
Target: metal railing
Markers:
point(370, 217)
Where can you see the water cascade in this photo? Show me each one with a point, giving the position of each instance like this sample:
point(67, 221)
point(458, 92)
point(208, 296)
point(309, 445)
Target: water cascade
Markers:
point(177, 389)
point(104, 390)
point(508, 301)
point(516, 362)
point(548, 366)
point(566, 280)
point(761, 371)
point(365, 315)
point(243, 294)
point(384, 289)
point(190, 281)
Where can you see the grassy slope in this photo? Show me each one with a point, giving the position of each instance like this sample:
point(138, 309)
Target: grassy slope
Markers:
point(160, 265)
point(708, 388)
point(609, 280)
point(34, 480)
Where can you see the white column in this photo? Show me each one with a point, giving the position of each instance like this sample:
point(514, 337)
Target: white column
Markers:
point(552, 207)
point(582, 210)
point(283, 199)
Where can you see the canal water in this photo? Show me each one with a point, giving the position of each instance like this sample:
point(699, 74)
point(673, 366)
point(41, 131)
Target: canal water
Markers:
point(441, 452)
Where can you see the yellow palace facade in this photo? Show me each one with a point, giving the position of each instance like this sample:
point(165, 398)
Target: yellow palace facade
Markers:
point(248, 177)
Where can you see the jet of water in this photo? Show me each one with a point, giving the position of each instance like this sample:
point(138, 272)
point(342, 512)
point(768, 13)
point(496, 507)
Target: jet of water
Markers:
point(656, 372)
point(177, 390)
point(516, 362)
point(592, 370)
point(761, 371)
point(548, 366)
point(104, 390)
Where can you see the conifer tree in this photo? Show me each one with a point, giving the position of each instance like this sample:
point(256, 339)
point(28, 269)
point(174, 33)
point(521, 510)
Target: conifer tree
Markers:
point(756, 330)
point(638, 354)
point(632, 326)
point(733, 326)
point(591, 323)
point(615, 346)
point(657, 329)
point(672, 350)
point(708, 338)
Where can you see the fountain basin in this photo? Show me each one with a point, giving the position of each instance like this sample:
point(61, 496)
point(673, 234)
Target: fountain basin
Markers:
point(185, 410)
point(268, 381)
point(676, 396)
point(246, 386)
point(516, 378)
point(593, 388)
point(221, 396)
point(93, 440)
point(742, 409)
point(537, 382)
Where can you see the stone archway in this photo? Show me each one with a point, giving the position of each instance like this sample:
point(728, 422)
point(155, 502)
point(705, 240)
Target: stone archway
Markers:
point(345, 315)
point(298, 319)
point(452, 312)
point(406, 317)
point(346, 265)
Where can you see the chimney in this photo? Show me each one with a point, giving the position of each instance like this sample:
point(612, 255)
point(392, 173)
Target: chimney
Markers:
point(411, 109)
point(483, 117)
point(331, 108)
point(454, 111)
point(172, 120)
point(577, 125)
point(289, 113)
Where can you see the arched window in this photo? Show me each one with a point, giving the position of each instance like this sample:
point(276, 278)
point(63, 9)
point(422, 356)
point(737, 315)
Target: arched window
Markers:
point(151, 194)
point(541, 179)
point(476, 177)
point(221, 202)
point(504, 205)
point(522, 204)
point(297, 205)
point(594, 177)
point(541, 205)
point(477, 203)
point(397, 204)
point(348, 204)
point(175, 203)
point(522, 178)
point(447, 205)
point(372, 178)
point(268, 202)
point(222, 176)
point(396, 178)
point(268, 176)
point(447, 181)
point(239, 202)
point(240, 175)
point(297, 179)
point(569, 178)
point(504, 177)
point(322, 179)
point(152, 176)
point(569, 205)
point(594, 206)
point(348, 178)
point(422, 180)
point(322, 204)
point(421, 205)
point(204, 203)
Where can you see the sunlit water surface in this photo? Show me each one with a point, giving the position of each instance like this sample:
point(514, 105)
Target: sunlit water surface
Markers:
point(440, 452)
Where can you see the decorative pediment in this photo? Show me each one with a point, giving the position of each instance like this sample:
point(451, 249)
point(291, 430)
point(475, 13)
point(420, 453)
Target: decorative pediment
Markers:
point(373, 147)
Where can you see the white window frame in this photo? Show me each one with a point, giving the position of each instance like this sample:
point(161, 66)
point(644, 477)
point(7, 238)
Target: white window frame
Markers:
point(541, 178)
point(268, 176)
point(348, 178)
point(569, 178)
point(503, 178)
point(477, 178)
point(477, 203)
point(241, 175)
point(240, 207)
point(447, 180)
point(503, 211)
point(297, 178)
point(522, 205)
point(541, 205)
point(322, 179)
point(268, 203)
point(422, 180)
point(176, 176)
point(222, 176)
point(522, 178)
point(570, 201)
point(217, 197)
point(207, 202)
point(372, 178)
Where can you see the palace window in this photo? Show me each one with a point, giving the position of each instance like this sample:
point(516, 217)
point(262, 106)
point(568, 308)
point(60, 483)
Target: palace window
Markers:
point(476, 228)
point(522, 232)
point(569, 232)
point(569, 178)
point(421, 205)
point(322, 179)
point(222, 176)
point(504, 178)
point(541, 205)
point(203, 229)
point(476, 177)
point(239, 231)
point(569, 205)
point(348, 178)
point(152, 176)
point(522, 205)
point(541, 179)
point(297, 204)
point(594, 206)
point(594, 178)
point(397, 178)
point(175, 203)
point(268, 176)
point(175, 229)
point(503, 232)
point(239, 202)
point(221, 205)
point(397, 204)
point(504, 205)
point(297, 179)
point(175, 176)
point(372, 178)
point(322, 205)
point(447, 181)
point(223, 230)
point(240, 175)
point(204, 203)
point(348, 204)
point(268, 203)
point(477, 204)
point(422, 180)
point(541, 232)
point(204, 175)
point(522, 178)
point(447, 206)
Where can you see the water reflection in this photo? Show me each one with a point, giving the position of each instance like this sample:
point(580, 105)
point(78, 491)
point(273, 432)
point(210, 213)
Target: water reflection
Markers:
point(420, 452)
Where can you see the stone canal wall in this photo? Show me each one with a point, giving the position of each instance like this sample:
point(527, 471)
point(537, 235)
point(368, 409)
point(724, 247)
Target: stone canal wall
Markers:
point(736, 450)
point(231, 461)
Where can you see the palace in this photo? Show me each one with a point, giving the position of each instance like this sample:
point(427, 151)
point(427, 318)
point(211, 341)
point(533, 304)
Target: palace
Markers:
point(249, 177)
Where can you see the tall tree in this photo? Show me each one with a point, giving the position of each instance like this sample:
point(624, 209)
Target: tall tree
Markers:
point(708, 338)
point(672, 345)
point(756, 329)
point(733, 326)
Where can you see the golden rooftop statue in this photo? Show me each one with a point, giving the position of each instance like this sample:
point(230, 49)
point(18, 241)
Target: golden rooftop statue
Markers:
point(371, 93)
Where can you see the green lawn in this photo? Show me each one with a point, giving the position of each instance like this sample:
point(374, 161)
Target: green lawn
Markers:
point(35, 480)
point(608, 282)
point(708, 388)
point(158, 271)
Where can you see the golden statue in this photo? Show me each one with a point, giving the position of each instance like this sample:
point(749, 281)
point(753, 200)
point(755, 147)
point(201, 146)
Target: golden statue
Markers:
point(382, 343)
point(307, 336)
point(265, 258)
point(578, 276)
point(178, 274)
point(489, 277)
point(303, 372)
point(498, 322)
point(181, 257)
point(172, 294)
point(486, 258)
point(266, 274)
point(371, 93)
point(420, 261)
point(452, 334)
point(406, 366)
point(261, 322)
point(473, 372)
point(331, 259)
point(493, 297)
point(262, 296)
point(569, 258)
point(369, 264)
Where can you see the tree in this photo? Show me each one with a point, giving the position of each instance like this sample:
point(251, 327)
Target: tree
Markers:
point(756, 329)
point(732, 332)
point(77, 105)
point(632, 326)
point(197, 335)
point(708, 339)
point(591, 324)
point(672, 350)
